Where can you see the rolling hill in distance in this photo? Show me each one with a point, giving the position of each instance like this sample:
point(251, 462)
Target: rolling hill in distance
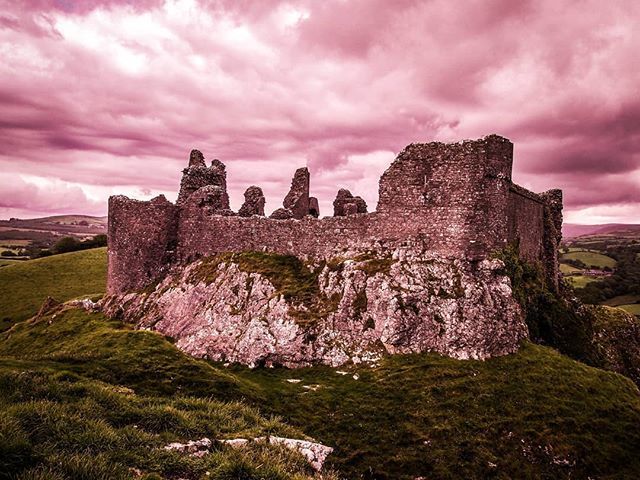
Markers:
point(573, 230)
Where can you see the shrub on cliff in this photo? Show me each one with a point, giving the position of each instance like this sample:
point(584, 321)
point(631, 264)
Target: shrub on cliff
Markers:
point(603, 337)
point(552, 319)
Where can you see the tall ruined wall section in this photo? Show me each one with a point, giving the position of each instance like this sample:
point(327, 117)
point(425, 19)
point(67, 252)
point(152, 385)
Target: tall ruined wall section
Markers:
point(526, 222)
point(141, 241)
point(535, 226)
point(456, 200)
point(454, 194)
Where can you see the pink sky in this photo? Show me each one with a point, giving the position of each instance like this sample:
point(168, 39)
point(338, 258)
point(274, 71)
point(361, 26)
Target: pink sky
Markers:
point(105, 97)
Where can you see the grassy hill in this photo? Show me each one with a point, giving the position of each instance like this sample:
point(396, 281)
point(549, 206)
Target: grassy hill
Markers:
point(82, 396)
point(570, 230)
point(535, 414)
point(25, 285)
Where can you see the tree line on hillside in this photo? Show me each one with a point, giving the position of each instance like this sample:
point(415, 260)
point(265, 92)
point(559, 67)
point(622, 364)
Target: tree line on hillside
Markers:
point(72, 244)
point(624, 281)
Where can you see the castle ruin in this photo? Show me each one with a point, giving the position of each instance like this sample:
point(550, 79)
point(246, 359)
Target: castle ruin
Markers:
point(456, 200)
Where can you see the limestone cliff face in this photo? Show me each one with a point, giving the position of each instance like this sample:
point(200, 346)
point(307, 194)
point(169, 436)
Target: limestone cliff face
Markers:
point(229, 309)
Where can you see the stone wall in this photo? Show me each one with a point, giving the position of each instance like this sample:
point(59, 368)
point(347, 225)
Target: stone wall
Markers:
point(456, 200)
point(526, 222)
point(457, 193)
point(141, 241)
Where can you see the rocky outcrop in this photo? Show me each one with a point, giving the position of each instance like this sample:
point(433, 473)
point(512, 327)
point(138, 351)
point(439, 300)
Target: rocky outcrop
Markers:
point(253, 202)
point(615, 344)
point(315, 453)
point(195, 448)
point(241, 309)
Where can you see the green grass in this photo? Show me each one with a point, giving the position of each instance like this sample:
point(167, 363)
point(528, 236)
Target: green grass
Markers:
point(622, 300)
point(74, 386)
point(85, 397)
point(590, 258)
point(568, 269)
point(109, 351)
point(25, 285)
point(520, 416)
point(633, 308)
point(580, 281)
point(8, 261)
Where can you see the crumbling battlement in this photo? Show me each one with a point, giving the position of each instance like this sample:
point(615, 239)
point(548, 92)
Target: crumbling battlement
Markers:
point(457, 200)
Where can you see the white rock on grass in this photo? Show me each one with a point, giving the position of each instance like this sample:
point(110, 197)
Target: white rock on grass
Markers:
point(315, 453)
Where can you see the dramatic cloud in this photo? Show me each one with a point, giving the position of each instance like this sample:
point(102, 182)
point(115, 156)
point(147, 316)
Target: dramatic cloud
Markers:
point(109, 96)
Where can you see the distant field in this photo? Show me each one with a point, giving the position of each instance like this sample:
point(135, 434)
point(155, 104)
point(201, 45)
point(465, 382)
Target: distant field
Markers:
point(633, 308)
point(568, 269)
point(590, 258)
point(7, 261)
point(72, 220)
point(24, 285)
point(581, 249)
point(622, 300)
point(15, 243)
point(580, 281)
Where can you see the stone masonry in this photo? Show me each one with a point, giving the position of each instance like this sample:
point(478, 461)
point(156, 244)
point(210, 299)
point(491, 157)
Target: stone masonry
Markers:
point(453, 200)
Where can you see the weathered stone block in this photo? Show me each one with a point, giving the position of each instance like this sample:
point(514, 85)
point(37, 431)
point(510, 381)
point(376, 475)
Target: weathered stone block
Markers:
point(297, 200)
point(212, 199)
point(198, 175)
point(254, 202)
point(314, 207)
point(282, 214)
point(343, 199)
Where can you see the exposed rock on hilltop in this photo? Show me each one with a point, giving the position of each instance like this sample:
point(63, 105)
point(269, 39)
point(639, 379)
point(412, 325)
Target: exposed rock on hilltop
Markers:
point(615, 341)
point(257, 308)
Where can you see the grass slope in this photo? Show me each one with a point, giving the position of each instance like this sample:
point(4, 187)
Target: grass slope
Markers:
point(535, 414)
point(25, 285)
point(622, 300)
point(84, 397)
point(107, 350)
point(633, 308)
point(568, 269)
point(580, 281)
